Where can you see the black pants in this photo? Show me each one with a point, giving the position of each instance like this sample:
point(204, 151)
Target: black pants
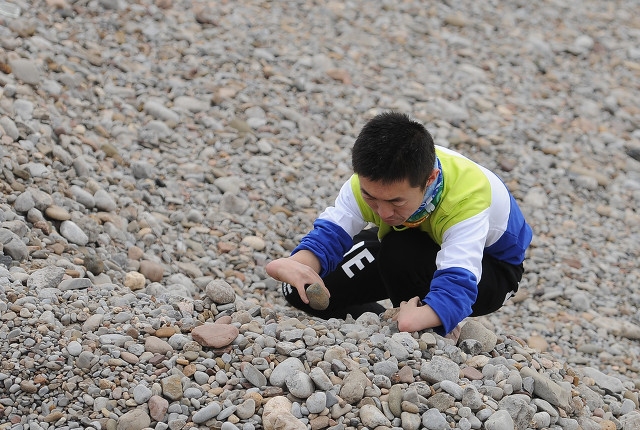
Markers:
point(399, 268)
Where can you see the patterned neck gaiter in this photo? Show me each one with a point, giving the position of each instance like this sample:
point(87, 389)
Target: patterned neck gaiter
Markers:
point(431, 199)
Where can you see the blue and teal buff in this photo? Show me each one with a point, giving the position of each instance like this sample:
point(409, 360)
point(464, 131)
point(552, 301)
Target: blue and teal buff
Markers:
point(431, 199)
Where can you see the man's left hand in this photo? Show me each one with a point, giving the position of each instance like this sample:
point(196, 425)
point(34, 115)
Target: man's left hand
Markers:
point(412, 317)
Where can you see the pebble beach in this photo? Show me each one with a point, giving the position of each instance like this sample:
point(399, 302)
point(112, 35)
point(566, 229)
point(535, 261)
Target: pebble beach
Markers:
point(156, 154)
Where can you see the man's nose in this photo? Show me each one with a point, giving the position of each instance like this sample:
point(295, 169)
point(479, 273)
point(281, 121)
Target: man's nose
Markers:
point(385, 210)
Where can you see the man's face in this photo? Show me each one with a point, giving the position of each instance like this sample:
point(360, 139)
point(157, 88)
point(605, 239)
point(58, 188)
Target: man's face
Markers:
point(394, 202)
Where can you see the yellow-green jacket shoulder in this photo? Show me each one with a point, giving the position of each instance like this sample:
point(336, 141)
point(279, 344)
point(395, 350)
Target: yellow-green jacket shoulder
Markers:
point(466, 193)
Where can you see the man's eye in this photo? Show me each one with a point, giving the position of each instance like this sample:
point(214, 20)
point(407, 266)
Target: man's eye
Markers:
point(399, 204)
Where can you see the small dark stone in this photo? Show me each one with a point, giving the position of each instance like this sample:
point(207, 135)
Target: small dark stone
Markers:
point(93, 264)
point(157, 359)
point(21, 173)
point(471, 346)
point(206, 17)
point(5, 260)
point(634, 153)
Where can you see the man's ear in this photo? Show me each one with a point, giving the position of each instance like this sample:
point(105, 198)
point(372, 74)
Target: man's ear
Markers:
point(433, 176)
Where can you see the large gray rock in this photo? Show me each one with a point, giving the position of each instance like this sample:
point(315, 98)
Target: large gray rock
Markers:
point(439, 369)
point(24, 202)
point(500, 420)
point(12, 245)
point(606, 382)
point(433, 419)
point(136, 419)
point(300, 384)
point(283, 370)
point(475, 330)
point(47, 277)
point(547, 389)
point(518, 407)
point(373, 417)
point(353, 386)
point(220, 292)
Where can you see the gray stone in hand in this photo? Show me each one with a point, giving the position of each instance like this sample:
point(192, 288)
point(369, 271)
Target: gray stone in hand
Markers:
point(318, 297)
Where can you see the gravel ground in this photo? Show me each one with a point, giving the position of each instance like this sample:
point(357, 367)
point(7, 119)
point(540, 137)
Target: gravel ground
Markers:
point(155, 154)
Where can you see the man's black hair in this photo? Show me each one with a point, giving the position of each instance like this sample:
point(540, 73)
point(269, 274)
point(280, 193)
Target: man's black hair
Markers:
point(392, 147)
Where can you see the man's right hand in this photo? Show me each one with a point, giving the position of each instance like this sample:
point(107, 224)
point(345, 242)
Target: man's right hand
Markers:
point(298, 270)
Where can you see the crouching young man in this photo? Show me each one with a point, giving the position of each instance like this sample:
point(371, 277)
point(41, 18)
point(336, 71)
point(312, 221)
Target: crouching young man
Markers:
point(449, 239)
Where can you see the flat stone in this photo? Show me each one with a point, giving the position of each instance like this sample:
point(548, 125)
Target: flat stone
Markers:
point(172, 387)
point(158, 408)
point(603, 381)
point(546, 389)
point(191, 104)
point(395, 400)
point(161, 112)
point(74, 348)
point(316, 402)
point(74, 234)
point(57, 213)
point(53, 417)
point(165, 332)
point(472, 373)
point(151, 270)
point(156, 345)
point(27, 71)
point(10, 129)
point(254, 242)
point(208, 412)
point(104, 201)
point(253, 375)
point(92, 323)
point(141, 394)
point(75, 284)
point(538, 343)
point(129, 357)
point(246, 409)
point(215, 335)
point(373, 417)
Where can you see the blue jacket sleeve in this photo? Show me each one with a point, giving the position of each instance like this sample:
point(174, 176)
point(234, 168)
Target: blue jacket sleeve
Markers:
point(511, 247)
point(453, 291)
point(329, 242)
